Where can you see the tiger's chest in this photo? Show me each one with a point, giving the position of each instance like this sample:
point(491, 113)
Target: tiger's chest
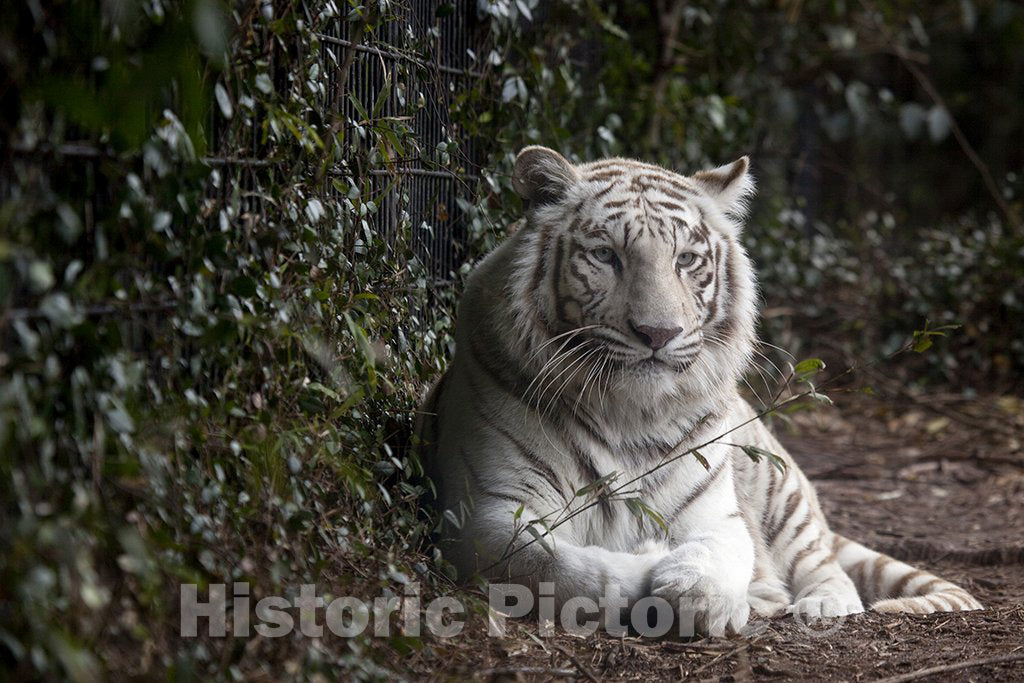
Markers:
point(637, 496)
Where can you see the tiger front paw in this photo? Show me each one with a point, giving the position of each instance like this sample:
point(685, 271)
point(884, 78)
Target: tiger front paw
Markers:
point(825, 606)
point(703, 596)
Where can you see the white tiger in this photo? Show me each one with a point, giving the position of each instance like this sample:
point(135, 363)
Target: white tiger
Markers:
point(606, 336)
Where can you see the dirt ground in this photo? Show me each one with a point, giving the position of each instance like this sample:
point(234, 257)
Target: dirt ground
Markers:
point(939, 482)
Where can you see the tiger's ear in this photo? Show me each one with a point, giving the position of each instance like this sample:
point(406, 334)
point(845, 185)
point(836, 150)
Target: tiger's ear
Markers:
point(542, 175)
point(732, 185)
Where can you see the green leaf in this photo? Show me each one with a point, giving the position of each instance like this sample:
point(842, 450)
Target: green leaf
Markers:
point(40, 276)
point(243, 286)
point(922, 340)
point(353, 400)
point(223, 100)
point(808, 368)
point(396, 144)
point(360, 109)
point(597, 484)
point(755, 453)
point(641, 509)
point(406, 645)
point(264, 84)
point(540, 537)
point(821, 398)
point(117, 415)
point(382, 98)
point(362, 341)
point(702, 460)
point(326, 391)
point(450, 516)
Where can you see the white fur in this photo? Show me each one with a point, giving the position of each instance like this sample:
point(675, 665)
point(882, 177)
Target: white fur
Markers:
point(509, 432)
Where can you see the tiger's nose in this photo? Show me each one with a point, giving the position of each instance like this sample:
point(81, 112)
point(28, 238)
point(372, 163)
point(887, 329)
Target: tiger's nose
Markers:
point(654, 337)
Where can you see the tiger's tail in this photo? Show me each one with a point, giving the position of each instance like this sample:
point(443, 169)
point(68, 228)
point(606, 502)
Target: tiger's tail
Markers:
point(888, 585)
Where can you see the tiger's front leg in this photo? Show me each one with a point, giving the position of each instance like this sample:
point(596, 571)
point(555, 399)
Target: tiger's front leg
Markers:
point(706, 576)
point(801, 544)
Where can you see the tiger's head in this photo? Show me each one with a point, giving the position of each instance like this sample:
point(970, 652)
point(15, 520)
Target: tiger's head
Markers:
point(638, 271)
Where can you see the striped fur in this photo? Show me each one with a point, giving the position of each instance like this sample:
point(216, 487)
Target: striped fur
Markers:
point(610, 329)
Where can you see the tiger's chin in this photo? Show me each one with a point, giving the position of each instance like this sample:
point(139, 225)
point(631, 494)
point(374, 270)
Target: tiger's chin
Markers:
point(655, 367)
point(650, 378)
point(643, 370)
point(652, 365)
point(654, 381)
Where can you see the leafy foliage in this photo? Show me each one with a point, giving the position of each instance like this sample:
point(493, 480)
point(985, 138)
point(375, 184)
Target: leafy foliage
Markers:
point(218, 312)
point(213, 356)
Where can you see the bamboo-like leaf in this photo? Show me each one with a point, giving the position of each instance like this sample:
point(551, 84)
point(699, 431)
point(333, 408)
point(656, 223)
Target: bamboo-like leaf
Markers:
point(701, 459)
point(360, 109)
point(755, 453)
point(540, 537)
point(382, 97)
point(597, 484)
point(807, 368)
point(641, 510)
point(922, 340)
point(450, 516)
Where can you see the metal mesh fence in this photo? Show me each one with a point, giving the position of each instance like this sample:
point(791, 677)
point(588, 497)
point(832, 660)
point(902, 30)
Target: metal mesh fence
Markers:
point(426, 45)
point(429, 44)
point(432, 54)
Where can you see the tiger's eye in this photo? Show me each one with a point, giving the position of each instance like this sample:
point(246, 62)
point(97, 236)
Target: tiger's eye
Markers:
point(686, 259)
point(604, 254)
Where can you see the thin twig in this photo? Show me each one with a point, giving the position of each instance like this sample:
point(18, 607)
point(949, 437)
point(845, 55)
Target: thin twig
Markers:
point(391, 54)
point(729, 653)
point(957, 666)
point(579, 665)
point(607, 494)
point(350, 56)
point(530, 670)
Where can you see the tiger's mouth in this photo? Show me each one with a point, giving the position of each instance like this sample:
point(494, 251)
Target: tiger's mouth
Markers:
point(654, 364)
point(617, 354)
point(649, 366)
